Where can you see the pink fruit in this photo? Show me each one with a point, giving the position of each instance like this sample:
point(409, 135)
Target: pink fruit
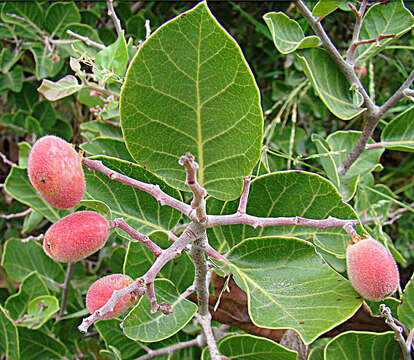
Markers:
point(55, 171)
point(101, 291)
point(372, 270)
point(76, 236)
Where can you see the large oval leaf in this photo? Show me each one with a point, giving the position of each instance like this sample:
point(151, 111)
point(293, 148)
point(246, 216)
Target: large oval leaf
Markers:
point(289, 286)
point(141, 325)
point(406, 309)
point(189, 89)
point(399, 133)
point(363, 345)
point(249, 347)
point(330, 83)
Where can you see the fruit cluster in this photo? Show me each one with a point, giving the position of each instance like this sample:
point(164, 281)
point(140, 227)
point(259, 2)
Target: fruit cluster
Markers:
point(55, 171)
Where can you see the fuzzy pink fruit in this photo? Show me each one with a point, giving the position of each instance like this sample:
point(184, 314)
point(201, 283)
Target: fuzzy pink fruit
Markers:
point(372, 270)
point(76, 236)
point(55, 171)
point(101, 291)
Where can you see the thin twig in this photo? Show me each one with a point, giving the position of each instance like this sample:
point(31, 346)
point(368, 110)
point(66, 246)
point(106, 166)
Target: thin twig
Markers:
point(66, 285)
point(200, 282)
point(154, 190)
point(260, 222)
point(21, 214)
point(27, 21)
point(35, 238)
point(138, 287)
point(86, 40)
point(147, 29)
point(112, 14)
point(357, 29)
point(143, 239)
point(170, 349)
point(398, 330)
point(6, 161)
point(102, 90)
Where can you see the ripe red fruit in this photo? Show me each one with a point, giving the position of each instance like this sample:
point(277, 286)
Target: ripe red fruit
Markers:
point(76, 236)
point(55, 171)
point(101, 291)
point(372, 269)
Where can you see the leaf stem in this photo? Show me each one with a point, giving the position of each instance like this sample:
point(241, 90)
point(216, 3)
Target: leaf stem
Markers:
point(357, 29)
point(86, 40)
point(170, 349)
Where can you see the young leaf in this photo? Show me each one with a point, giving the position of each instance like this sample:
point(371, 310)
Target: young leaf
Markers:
point(9, 341)
point(399, 133)
point(287, 34)
point(203, 100)
point(289, 286)
point(363, 345)
point(40, 310)
point(112, 59)
point(330, 83)
point(31, 287)
point(249, 347)
point(53, 91)
point(46, 64)
point(141, 325)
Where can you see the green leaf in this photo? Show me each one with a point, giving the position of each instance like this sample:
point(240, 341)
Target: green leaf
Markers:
point(53, 91)
point(20, 259)
point(43, 111)
point(330, 83)
point(37, 345)
point(62, 129)
point(287, 34)
point(289, 286)
point(46, 65)
point(399, 133)
point(9, 341)
point(336, 148)
point(141, 325)
point(249, 347)
point(324, 7)
point(24, 150)
point(363, 345)
point(40, 310)
point(406, 309)
point(383, 19)
point(112, 334)
point(287, 193)
point(12, 80)
point(32, 126)
point(139, 259)
point(112, 59)
point(31, 287)
point(59, 15)
point(31, 222)
point(102, 129)
point(202, 100)
point(19, 187)
point(107, 146)
point(27, 12)
point(139, 209)
point(8, 58)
